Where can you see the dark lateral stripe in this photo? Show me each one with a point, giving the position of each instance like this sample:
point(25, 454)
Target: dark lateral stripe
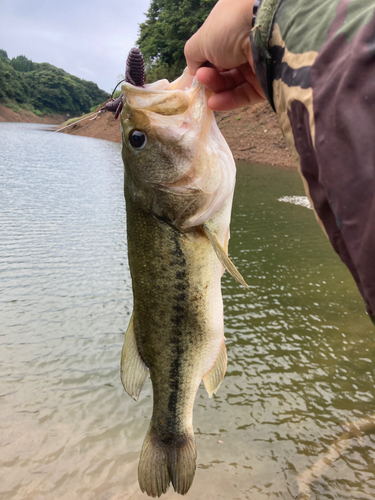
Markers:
point(177, 259)
point(300, 77)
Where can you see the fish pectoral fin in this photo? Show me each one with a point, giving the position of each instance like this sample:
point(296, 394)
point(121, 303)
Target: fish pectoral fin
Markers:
point(213, 379)
point(223, 256)
point(133, 370)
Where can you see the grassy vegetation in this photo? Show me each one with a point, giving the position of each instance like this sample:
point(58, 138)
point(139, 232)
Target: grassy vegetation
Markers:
point(84, 115)
point(75, 119)
point(17, 107)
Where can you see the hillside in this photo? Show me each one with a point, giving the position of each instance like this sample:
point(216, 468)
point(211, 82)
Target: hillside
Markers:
point(44, 89)
point(253, 134)
point(24, 116)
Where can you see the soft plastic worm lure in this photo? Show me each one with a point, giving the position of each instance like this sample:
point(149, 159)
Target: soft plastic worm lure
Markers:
point(134, 74)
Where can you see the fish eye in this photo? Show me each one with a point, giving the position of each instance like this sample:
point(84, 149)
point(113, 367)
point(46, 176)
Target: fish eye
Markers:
point(137, 139)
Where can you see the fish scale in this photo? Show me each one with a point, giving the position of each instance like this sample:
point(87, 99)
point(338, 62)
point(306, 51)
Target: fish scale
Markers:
point(178, 216)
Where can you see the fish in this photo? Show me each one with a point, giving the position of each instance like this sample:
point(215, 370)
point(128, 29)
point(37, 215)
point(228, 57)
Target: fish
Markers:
point(178, 186)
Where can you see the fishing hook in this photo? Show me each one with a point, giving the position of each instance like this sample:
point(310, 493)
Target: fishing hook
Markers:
point(134, 74)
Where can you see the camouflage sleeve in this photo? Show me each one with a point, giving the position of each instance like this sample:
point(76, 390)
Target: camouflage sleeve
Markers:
point(315, 60)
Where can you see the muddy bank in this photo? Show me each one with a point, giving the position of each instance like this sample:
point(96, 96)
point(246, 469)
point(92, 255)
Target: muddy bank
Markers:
point(252, 133)
point(23, 116)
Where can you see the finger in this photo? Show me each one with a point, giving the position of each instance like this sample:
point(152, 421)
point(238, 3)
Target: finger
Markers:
point(194, 53)
point(244, 95)
point(217, 81)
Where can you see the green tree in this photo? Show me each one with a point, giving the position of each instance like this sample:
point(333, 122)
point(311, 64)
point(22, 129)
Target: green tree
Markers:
point(44, 87)
point(11, 86)
point(169, 24)
point(21, 63)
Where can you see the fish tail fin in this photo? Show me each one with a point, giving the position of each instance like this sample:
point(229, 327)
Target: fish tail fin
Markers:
point(153, 475)
point(161, 464)
point(181, 464)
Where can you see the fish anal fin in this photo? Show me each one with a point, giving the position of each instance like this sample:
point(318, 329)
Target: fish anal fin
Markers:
point(133, 370)
point(223, 256)
point(213, 379)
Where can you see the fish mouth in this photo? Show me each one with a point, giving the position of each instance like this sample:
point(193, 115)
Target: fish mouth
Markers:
point(162, 100)
point(186, 172)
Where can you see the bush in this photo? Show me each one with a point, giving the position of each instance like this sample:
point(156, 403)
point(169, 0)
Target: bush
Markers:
point(38, 113)
point(28, 107)
point(9, 103)
point(116, 94)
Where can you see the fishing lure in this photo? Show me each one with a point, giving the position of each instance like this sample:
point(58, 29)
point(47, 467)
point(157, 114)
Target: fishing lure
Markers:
point(134, 74)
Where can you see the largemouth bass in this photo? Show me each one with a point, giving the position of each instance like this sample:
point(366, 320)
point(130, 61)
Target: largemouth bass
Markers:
point(179, 183)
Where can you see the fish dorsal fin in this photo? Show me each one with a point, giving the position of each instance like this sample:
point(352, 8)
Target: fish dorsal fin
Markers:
point(133, 370)
point(223, 256)
point(213, 379)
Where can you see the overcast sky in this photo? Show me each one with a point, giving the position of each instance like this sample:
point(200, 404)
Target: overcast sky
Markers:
point(89, 39)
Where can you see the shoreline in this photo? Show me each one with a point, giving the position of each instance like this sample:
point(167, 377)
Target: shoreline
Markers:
point(252, 133)
point(23, 116)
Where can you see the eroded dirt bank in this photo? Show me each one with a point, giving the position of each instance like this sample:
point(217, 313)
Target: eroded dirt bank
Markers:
point(252, 133)
point(8, 115)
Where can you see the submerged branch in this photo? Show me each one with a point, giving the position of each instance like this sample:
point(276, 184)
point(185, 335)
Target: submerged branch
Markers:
point(352, 430)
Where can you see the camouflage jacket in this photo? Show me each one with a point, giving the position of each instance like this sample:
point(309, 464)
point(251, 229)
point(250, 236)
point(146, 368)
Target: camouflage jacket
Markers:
point(315, 60)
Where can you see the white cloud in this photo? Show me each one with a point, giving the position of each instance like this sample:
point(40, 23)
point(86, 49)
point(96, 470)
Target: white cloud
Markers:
point(89, 39)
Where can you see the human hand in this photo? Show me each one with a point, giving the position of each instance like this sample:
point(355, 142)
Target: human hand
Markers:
point(224, 41)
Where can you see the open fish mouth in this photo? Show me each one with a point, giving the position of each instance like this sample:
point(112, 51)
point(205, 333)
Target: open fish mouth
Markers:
point(180, 150)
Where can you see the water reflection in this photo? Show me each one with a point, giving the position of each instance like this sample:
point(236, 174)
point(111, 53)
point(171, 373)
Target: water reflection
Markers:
point(300, 346)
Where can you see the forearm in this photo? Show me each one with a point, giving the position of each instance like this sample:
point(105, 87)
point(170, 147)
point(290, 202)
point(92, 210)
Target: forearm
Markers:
point(317, 69)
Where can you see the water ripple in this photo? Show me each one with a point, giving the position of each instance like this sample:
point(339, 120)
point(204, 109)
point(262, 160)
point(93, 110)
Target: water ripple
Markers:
point(300, 347)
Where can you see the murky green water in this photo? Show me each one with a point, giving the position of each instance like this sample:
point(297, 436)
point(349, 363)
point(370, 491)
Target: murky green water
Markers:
point(300, 347)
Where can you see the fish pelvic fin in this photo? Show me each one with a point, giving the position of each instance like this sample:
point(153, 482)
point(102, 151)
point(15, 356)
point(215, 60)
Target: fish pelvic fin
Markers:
point(133, 370)
point(223, 256)
point(213, 379)
point(162, 464)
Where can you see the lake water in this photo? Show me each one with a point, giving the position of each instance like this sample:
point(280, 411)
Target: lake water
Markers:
point(300, 346)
